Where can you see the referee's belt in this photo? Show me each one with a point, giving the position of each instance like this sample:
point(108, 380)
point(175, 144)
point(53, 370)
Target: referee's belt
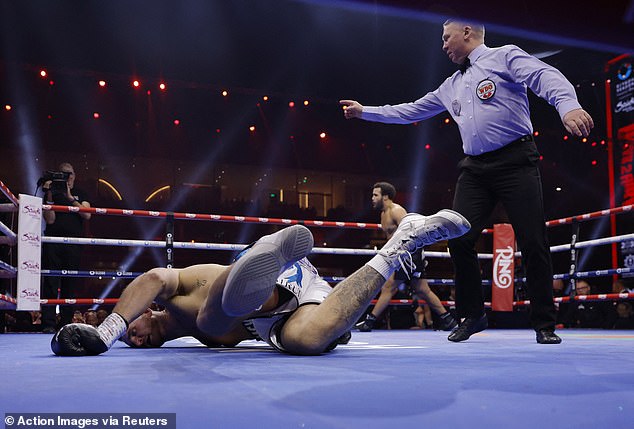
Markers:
point(506, 147)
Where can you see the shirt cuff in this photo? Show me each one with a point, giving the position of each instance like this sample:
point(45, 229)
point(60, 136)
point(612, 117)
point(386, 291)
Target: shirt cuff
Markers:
point(567, 106)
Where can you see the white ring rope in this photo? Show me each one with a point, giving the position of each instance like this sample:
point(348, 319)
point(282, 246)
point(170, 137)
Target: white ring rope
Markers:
point(594, 242)
point(6, 267)
point(316, 250)
point(219, 246)
point(7, 231)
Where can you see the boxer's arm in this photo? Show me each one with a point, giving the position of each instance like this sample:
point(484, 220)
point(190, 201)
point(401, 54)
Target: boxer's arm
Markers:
point(78, 339)
point(157, 284)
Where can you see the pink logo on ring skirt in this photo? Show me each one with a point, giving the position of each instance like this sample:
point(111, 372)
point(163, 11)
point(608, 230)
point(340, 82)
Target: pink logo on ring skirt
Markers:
point(30, 266)
point(30, 293)
point(30, 210)
point(31, 238)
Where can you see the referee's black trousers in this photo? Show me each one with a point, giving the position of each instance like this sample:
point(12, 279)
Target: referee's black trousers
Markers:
point(509, 175)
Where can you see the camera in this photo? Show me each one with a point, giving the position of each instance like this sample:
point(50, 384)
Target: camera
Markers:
point(58, 180)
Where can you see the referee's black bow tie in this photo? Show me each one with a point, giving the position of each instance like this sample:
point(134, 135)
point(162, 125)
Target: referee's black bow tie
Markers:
point(464, 66)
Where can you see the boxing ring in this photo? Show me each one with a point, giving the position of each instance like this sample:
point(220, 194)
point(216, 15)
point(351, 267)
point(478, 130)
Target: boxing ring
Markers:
point(384, 378)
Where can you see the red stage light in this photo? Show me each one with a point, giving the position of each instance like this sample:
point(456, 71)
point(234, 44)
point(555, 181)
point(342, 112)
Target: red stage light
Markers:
point(51, 83)
point(447, 120)
point(265, 98)
point(306, 103)
point(322, 135)
point(102, 83)
point(177, 122)
point(95, 115)
point(291, 104)
point(43, 73)
point(427, 146)
point(7, 107)
point(162, 86)
point(225, 93)
point(594, 162)
point(136, 83)
point(565, 137)
point(536, 133)
point(252, 128)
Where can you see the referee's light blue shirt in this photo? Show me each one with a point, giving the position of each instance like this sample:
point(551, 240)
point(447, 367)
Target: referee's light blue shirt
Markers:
point(489, 101)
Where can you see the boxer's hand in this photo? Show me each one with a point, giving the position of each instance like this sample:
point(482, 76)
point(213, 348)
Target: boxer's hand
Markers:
point(578, 122)
point(351, 109)
point(78, 339)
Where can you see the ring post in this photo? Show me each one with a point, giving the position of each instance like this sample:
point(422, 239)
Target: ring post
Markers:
point(169, 240)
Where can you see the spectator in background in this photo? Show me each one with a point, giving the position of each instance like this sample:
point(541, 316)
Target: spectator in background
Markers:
point(624, 316)
point(584, 314)
point(619, 286)
point(61, 256)
point(558, 288)
point(101, 315)
point(90, 316)
point(619, 312)
point(77, 317)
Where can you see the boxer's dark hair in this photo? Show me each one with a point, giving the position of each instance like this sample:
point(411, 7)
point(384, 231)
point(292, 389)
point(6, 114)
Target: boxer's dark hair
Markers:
point(386, 189)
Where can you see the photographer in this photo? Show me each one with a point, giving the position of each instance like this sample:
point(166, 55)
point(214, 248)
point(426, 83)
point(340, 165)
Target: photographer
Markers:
point(59, 189)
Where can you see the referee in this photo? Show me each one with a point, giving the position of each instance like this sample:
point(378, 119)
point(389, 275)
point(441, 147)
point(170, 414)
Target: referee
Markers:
point(487, 98)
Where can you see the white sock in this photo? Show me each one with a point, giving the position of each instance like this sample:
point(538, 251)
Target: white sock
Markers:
point(379, 264)
point(112, 328)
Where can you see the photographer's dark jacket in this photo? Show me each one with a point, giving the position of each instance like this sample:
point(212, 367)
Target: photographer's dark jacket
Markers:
point(67, 224)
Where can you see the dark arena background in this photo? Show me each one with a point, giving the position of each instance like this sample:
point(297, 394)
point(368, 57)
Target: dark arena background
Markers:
point(231, 108)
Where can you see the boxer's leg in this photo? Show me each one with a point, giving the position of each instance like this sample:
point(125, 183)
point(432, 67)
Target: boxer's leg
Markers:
point(387, 292)
point(311, 330)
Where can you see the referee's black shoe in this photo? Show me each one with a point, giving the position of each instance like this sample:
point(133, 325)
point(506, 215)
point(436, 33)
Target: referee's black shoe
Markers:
point(547, 336)
point(468, 327)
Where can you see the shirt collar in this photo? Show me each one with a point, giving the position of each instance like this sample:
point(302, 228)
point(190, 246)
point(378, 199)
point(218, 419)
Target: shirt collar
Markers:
point(477, 52)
